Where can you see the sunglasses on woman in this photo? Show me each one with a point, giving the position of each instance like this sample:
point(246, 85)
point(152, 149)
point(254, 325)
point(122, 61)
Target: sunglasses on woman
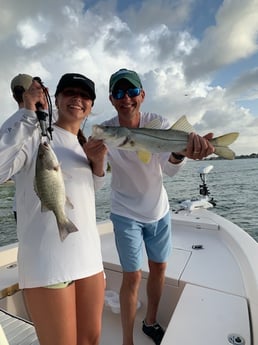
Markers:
point(119, 94)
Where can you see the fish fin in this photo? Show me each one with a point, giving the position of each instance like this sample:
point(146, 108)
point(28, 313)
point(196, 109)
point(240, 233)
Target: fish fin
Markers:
point(221, 145)
point(144, 156)
point(66, 228)
point(183, 125)
point(68, 203)
point(154, 124)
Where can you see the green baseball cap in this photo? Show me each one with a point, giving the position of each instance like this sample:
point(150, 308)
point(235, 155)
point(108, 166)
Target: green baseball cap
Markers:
point(124, 73)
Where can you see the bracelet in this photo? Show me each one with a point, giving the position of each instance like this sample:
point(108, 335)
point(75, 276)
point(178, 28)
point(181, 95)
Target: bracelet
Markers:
point(178, 156)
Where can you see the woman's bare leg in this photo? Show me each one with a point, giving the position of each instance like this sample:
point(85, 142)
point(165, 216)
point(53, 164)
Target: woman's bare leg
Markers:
point(90, 301)
point(53, 312)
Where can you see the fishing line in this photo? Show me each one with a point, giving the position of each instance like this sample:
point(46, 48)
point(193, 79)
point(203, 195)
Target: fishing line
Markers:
point(81, 137)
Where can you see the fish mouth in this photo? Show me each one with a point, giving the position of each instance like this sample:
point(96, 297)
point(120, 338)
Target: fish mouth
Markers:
point(45, 145)
point(97, 132)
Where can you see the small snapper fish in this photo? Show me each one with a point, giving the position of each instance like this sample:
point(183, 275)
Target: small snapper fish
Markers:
point(149, 139)
point(50, 188)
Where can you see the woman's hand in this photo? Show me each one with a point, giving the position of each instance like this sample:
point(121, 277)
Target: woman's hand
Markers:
point(96, 151)
point(33, 95)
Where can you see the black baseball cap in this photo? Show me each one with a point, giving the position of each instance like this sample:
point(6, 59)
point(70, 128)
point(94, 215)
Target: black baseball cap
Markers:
point(76, 80)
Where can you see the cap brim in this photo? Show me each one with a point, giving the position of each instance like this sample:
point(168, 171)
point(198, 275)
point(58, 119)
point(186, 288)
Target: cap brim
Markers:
point(78, 83)
point(131, 80)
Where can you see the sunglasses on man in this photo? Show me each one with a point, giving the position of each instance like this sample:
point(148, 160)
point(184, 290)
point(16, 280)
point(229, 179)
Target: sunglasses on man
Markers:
point(120, 94)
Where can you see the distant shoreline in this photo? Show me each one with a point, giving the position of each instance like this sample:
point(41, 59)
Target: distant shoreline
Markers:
point(252, 155)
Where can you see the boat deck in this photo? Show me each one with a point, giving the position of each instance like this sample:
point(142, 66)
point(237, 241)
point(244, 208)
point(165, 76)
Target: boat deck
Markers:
point(188, 265)
point(196, 286)
point(204, 297)
point(17, 331)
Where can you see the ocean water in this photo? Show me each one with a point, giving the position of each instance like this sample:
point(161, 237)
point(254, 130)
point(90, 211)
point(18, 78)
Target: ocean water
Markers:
point(232, 184)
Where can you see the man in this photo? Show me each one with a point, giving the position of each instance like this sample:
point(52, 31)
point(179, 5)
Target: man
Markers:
point(19, 84)
point(140, 207)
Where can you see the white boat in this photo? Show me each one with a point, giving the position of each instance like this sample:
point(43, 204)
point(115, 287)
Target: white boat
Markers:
point(211, 287)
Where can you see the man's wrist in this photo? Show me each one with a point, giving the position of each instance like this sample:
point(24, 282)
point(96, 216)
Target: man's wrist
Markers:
point(178, 156)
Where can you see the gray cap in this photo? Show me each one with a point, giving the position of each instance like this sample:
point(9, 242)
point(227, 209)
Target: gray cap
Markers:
point(23, 80)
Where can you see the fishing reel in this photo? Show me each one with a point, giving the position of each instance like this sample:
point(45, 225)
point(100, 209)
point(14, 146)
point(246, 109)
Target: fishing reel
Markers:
point(42, 114)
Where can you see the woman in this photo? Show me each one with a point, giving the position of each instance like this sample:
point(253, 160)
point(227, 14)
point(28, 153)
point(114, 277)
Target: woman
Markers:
point(63, 281)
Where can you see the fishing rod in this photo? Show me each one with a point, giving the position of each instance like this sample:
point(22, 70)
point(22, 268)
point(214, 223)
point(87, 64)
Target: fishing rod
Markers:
point(42, 114)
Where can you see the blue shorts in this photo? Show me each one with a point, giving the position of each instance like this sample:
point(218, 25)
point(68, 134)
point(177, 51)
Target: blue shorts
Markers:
point(130, 235)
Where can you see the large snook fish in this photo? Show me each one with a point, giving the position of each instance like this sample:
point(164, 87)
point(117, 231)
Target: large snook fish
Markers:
point(149, 139)
point(50, 188)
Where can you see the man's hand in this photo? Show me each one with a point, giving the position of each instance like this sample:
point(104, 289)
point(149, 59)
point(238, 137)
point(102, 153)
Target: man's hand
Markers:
point(199, 147)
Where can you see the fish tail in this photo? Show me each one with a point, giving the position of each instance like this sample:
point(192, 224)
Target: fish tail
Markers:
point(65, 228)
point(221, 145)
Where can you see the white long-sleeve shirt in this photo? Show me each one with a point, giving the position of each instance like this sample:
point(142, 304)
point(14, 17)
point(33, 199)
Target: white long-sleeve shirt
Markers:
point(137, 188)
point(7, 125)
point(42, 258)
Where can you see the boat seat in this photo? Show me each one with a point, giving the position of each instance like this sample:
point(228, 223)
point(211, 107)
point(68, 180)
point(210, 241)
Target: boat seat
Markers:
point(17, 331)
point(205, 316)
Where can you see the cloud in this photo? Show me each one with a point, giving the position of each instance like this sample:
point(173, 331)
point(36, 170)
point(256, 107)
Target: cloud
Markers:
point(152, 37)
point(245, 86)
point(173, 13)
point(233, 37)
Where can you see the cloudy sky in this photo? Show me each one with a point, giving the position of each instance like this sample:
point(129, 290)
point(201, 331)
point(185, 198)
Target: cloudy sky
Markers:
point(195, 57)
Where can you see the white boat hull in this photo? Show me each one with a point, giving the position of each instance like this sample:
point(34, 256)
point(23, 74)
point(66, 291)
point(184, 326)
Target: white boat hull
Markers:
point(210, 294)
